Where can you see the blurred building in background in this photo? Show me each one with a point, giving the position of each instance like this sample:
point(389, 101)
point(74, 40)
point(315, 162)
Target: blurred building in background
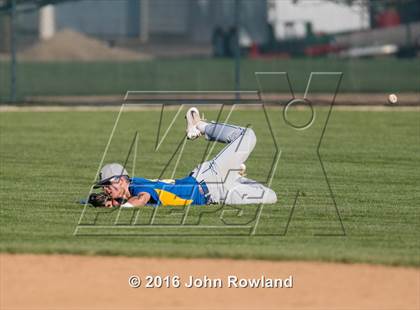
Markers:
point(156, 20)
point(344, 28)
point(141, 21)
point(286, 28)
point(104, 47)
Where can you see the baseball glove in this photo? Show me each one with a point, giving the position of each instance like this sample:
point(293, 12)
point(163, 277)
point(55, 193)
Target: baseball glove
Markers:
point(98, 200)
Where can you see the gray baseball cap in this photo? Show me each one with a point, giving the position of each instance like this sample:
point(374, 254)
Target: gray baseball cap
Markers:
point(110, 171)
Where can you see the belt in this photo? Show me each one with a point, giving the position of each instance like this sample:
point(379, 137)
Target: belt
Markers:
point(202, 187)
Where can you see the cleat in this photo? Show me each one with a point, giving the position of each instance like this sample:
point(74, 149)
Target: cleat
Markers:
point(193, 119)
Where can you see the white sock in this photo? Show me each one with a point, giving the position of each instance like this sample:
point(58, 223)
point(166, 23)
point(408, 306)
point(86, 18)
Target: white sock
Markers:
point(201, 125)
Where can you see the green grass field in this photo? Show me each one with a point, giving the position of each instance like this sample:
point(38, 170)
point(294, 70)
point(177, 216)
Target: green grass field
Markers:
point(115, 78)
point(49, 160)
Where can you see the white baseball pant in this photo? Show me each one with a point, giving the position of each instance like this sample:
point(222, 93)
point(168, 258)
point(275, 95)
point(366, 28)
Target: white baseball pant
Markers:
point(221, 174)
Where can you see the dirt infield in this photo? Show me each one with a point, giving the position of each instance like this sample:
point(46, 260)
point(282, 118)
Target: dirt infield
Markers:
point(78, 282)
point(343, 99)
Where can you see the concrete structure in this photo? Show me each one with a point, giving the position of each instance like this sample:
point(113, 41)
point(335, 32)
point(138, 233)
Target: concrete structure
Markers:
point(46, 22)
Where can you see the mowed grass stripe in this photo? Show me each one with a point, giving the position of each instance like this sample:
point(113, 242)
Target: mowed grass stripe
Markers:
point(48, 161)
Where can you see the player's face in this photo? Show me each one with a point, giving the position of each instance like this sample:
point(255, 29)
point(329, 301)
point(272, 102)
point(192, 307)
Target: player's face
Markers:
point(116, 189)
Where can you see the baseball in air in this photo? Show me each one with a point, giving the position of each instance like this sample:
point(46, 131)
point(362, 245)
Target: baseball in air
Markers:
point(392, 98)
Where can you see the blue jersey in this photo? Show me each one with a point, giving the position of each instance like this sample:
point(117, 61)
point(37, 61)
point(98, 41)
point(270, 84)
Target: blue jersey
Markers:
point(178, 192)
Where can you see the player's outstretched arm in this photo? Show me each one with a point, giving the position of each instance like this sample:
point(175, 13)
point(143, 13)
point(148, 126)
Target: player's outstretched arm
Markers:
point(137, 201)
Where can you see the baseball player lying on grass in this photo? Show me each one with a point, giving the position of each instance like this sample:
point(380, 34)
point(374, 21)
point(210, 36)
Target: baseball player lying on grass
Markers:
point(220, 180)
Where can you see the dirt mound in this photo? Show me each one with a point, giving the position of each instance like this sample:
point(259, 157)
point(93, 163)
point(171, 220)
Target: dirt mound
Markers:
point(77, 282)
point(71, 45)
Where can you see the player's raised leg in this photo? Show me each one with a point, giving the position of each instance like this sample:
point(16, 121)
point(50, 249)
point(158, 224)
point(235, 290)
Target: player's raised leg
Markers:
point(241, 141)
point(223, 173)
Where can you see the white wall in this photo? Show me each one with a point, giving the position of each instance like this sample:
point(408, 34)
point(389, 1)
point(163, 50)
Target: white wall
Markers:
point(325, 16)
